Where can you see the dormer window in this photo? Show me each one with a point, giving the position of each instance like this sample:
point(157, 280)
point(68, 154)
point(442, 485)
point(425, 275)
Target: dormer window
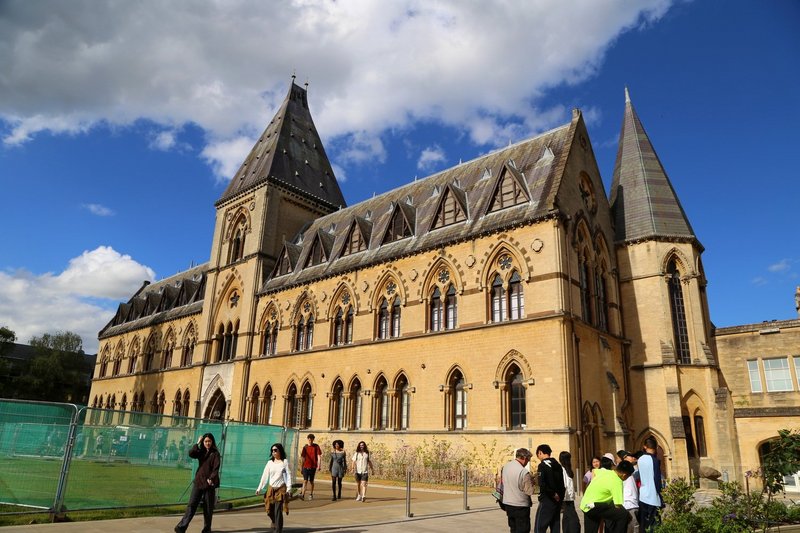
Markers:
point(355, 241)
point(400, 227)
point(317, 254)
point(449, 211)
point(509, 190)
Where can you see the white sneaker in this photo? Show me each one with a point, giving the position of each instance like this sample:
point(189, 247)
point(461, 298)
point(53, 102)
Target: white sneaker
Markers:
point(358, 498)
point(310, 497)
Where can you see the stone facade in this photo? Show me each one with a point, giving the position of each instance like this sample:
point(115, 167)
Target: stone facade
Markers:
point(761, 363)
point(492, 305)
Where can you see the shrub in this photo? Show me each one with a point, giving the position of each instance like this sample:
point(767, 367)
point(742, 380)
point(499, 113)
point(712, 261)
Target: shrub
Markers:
point(793, 514)
point(678, 516)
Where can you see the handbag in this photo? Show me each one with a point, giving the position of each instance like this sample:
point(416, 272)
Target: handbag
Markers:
point(498, 490)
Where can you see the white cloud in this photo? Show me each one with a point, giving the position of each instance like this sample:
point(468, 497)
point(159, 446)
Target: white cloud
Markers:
point(339, 172)
point(431, 157)
point(99, 210)
point(225, 157)
point(82, 298)
point(362, 147)
point(373, 66)
point(781, 266)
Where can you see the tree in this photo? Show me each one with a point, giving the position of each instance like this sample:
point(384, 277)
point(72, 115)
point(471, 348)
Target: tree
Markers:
point(60, 370)
point(782, 459)
point(61, 341)
point(7, 338)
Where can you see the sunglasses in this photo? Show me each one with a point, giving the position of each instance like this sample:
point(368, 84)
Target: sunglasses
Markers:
point(275, 450)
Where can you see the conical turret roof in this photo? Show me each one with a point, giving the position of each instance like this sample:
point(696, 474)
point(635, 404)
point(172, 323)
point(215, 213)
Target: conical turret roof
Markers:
point(289, 152)
point(643, 201)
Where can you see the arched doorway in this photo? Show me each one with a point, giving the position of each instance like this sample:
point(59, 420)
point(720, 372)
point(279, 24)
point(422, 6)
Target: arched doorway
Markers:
point(216, 406)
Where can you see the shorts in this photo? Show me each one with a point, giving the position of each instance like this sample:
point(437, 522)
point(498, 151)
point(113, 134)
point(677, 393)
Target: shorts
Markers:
point(309, 473)
point(362, 477)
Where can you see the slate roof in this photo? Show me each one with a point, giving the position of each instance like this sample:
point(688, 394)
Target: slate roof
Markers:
point(167, 299)
point(537, 162)
point(643, 202)
point(289, 152)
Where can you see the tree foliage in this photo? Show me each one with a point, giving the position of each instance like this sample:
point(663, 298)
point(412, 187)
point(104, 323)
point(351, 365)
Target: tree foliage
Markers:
point(782, 459)
point(61, 341)
point(59, 371)
point(7, 338)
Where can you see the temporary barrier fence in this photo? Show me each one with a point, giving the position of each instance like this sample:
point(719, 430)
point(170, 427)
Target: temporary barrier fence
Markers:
point(62, 456)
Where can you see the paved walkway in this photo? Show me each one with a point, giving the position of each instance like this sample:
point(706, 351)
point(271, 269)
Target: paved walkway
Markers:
point(383, 512)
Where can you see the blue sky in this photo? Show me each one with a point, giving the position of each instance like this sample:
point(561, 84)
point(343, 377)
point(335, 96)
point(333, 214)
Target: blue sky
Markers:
point(120, 124)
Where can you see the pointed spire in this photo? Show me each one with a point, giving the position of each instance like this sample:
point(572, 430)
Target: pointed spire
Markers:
point(642, 198)
point(289, 152)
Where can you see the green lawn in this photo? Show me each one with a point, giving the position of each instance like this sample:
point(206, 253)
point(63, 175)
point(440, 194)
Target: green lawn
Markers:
point(93, 484)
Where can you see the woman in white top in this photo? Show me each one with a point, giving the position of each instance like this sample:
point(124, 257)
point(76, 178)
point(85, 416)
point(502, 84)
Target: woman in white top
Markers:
point(569, 522)
point(361, 466)
point(277, 477)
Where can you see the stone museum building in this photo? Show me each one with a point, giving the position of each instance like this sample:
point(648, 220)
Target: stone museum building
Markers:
point(503, 302)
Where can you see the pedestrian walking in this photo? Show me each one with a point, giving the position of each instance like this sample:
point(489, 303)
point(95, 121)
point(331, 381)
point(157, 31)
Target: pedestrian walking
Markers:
point(361, 467)
point(206, 481)
point(338, 468)
point(311, 456)
point(277, 478)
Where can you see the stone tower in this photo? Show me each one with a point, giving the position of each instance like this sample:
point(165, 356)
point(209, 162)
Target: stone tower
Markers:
point(677, 391)
point(284, 183)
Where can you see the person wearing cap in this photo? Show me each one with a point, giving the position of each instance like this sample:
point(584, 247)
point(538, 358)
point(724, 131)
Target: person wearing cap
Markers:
point(630, 492)
point(603, 500)
point(517, 491)
point(311, 455)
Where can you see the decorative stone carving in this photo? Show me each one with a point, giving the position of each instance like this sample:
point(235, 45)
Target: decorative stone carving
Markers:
point(364, 287)
point(537, 245)
point(413, 274)
point(470, 261)
point(252, 206)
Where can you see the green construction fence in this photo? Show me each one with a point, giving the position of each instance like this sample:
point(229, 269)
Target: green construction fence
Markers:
point(66, 457)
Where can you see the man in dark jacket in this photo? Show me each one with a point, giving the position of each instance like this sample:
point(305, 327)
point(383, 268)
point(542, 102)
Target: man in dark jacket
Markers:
point(551, 492)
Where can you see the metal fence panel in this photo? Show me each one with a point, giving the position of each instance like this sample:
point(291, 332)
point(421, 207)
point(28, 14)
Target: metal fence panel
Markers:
point(120, 458)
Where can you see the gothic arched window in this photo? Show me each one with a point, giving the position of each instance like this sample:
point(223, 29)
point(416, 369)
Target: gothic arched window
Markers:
point(356, 400)
point(680, 331)
point(515, 398)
